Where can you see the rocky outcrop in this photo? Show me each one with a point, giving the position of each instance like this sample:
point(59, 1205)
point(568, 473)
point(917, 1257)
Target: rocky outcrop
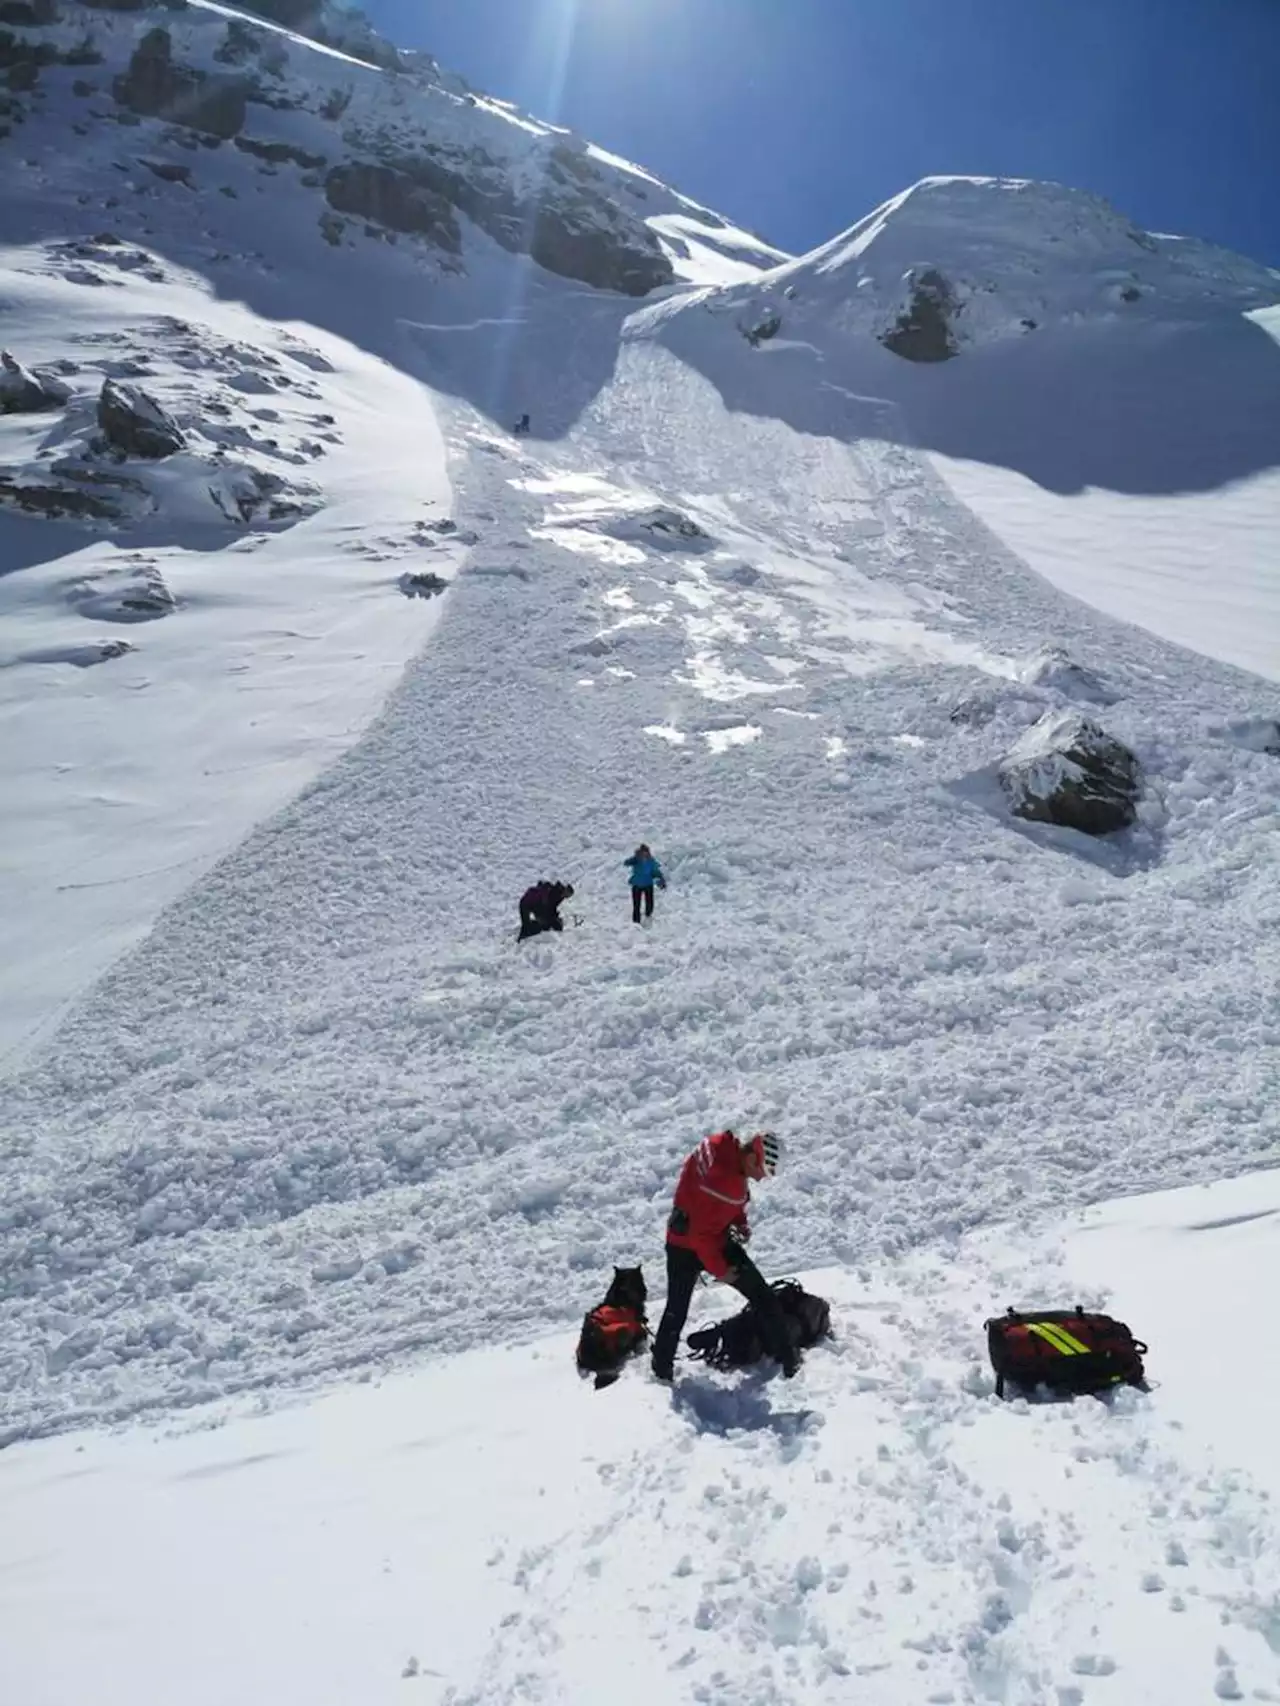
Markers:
point(134, 424)
point(134, 594)
point(157, 88)
point(1068, 770)
point(28, 14)
point(571, 228)
point(421, 583)
point(395, 200)
point(76, 494)
point(281, 153)
point(26, 393)
point(922, 332)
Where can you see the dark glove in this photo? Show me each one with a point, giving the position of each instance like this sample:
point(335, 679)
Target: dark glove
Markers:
point(678, 1223)
point(739, 1234)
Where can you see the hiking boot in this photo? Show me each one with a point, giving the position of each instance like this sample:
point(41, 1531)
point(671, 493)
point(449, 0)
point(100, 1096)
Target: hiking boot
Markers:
point(791, 1365)
point(663, 1371)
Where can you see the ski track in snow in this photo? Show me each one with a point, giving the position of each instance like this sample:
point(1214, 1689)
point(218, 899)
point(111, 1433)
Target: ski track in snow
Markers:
point(328, 1114)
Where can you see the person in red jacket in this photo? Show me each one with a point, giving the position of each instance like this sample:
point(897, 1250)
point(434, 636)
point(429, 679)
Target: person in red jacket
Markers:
point(707, 1230)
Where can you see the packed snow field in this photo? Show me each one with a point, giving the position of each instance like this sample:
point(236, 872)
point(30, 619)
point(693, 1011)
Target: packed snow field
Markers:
point(289, 730)
point(485, 1532)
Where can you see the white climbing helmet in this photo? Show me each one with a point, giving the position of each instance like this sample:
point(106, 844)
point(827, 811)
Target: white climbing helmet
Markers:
point(767, 1150)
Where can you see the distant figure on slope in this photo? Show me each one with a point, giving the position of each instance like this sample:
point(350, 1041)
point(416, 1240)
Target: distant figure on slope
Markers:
point(540, 908)
point(708, 1229)
point(645, 872)
point(522, 426)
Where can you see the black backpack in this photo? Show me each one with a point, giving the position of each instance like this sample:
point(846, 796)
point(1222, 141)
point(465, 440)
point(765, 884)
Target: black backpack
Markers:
point(738, 1342)
point(1068, 1350)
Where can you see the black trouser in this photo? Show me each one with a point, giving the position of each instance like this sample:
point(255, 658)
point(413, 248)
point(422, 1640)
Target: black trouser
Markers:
point(637, 895)
point(683, 1268)
point(533, 922)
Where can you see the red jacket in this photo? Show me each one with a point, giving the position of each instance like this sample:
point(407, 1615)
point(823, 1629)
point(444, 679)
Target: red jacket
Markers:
point(712, 1196)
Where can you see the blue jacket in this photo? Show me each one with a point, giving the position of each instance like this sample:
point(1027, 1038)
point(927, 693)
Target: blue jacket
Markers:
point(645, 872)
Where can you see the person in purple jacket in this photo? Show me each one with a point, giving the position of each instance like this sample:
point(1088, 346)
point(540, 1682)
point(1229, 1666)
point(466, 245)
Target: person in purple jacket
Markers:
point(645, 872)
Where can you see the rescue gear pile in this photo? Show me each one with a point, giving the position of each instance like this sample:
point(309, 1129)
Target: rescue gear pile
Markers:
point(1068, 1350)
point(738, 1342)
point(615, 1329)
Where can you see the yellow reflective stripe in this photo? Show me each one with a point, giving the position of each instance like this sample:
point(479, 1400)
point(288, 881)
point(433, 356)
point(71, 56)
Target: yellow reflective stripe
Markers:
point(1053, 1334)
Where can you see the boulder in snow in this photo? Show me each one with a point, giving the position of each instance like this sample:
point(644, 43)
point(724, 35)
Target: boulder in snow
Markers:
point(420, 583)
point(134, 423)
point(134, 594)
point(25, 393)
point(1068, 770)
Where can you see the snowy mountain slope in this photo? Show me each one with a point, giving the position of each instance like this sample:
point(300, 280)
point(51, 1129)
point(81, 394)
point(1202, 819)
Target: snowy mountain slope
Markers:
point(384, 151)
point(329, 1113)
point(1110, 412)
point(166, 684)
point(326, 1114)
point(489, 1530)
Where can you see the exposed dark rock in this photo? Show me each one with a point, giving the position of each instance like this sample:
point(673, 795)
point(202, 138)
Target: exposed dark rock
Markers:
point(23, 77)
point(393, 199)
point(243, 44)
point(84, 495)
point(422, 584)
point(1068, 770)
point(570, 231)
point(135, 424)
point(335, 104)
point(759, 330)
point(28, 14)
point(26, 393)
point(134, 594)
point(83, 89)
point(83, 52)
point(332, 228)
point(157, 88)
point(170, 172)
point(280, 152)
point(923, 331)
point(18, 50)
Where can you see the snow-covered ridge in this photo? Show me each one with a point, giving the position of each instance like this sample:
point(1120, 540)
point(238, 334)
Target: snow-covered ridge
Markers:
point(955, 262)
point(383, 141)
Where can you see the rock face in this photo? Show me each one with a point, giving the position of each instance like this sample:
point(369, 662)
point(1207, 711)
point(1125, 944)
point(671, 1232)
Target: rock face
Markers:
point(77, 494)
point(24, 393)
point(395, 200)
point(1068, 770)
point(571, 228)
point(157, 88)
point(922, 331)
point(133, 422)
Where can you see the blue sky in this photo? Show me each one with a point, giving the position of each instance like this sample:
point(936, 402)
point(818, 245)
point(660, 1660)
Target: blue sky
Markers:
point(795, 117)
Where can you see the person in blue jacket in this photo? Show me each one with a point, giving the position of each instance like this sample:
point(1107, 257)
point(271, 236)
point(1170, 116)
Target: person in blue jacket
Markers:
point(645, 872)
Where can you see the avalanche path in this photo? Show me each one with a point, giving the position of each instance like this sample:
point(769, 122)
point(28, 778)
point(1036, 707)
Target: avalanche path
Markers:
point(328, 1113)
